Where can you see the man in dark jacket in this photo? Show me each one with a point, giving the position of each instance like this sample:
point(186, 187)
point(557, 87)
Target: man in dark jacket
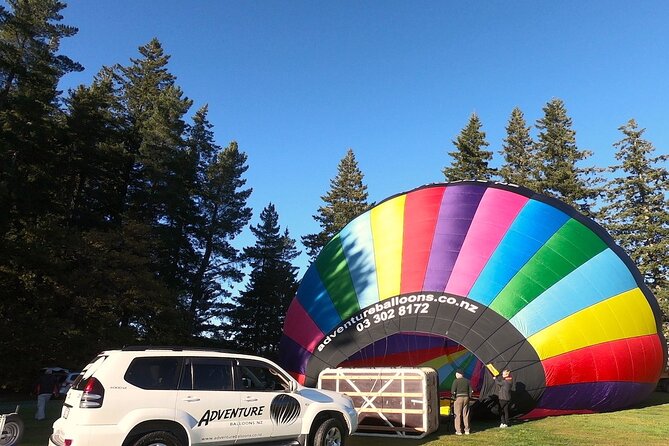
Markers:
point(503, 387)
point(46, 386)
point(461, 391)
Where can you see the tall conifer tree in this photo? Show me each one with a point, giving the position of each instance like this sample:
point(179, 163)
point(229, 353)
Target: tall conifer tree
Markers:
point(518, 151)
point(222, 214)
point(558, 155)
point(32, 240)
point(636, 212)
point(346, 199)
point(256, 319)
point(470, 160)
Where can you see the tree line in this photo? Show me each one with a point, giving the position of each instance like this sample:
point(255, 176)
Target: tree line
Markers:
point(119, 209)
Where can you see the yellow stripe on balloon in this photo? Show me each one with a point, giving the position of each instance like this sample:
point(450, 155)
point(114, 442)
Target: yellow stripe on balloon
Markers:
point(623, 316)
point(387, 230)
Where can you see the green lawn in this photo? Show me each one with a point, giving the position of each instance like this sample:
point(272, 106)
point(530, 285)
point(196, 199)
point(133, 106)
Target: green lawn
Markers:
point(646, 425)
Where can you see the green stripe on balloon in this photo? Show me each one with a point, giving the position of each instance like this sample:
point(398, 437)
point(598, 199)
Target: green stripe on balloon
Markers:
point(570, 247)
point(333, 270)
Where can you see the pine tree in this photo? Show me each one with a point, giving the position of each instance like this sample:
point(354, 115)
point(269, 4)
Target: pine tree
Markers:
point(518, 151)
point(346, 199)
point(558, 156)
point(470, 160)
point(93, 157)
point(637, 210)
point(222, 214)
point(156, 110)
point(32, 295)
point(30, 69)
point(256, 319)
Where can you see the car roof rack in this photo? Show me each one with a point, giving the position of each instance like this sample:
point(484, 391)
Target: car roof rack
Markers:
point(174, 348)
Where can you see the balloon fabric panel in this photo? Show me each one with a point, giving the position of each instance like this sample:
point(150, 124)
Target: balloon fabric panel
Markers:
point(358, 244)
point(610, 361)
point(535, 224)
point(387, 228)
point(294, 356)
point(571, 246)
point(300, 327)
point(601, 277)
point(334, 272)
point(420, 218)
point(315, 300)
point(458, 207)
point(622, 316)
point(470, 273)
point(598, 396)
point(494, 216)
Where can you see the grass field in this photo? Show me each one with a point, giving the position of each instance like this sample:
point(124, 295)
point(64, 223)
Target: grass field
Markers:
point(647, 425)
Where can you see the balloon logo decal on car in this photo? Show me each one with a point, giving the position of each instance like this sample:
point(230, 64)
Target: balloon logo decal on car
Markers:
point(284, 409)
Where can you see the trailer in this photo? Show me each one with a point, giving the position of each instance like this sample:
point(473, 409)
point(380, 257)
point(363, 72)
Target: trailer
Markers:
point(391, 402)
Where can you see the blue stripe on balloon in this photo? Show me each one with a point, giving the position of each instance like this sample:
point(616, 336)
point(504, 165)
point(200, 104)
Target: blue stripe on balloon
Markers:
point(315, 300)
point(600, 278)
point(358, 244)
point(533, 226)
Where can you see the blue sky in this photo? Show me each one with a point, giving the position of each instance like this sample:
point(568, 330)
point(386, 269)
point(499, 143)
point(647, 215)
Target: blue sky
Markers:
point(297, 83)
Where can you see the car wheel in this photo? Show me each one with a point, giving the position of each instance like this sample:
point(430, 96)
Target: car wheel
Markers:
point(158, 438)
point(12, 432)
point(329, 433)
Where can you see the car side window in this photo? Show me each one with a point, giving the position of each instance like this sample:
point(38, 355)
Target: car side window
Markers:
point(260, 377)
point(154, 372)
point(207, 374)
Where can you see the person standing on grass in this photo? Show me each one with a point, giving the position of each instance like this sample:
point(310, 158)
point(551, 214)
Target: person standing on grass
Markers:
point(46, 386)
point(503, 388)
point(461, 391)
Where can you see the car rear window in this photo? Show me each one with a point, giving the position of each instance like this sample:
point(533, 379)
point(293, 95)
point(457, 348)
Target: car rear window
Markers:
point(154, 372)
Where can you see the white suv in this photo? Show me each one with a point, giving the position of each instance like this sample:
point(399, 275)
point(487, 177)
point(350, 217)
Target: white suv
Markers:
point(143, 396)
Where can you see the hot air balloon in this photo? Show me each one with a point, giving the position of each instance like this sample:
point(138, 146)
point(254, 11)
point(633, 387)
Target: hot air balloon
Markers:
point(459, 275)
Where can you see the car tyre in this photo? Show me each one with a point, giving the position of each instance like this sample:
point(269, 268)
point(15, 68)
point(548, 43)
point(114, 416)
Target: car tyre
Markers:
point(12, 432)
point(158, 438)
point(330, 433)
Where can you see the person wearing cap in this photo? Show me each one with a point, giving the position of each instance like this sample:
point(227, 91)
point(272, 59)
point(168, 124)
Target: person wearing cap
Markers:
point(461, 391)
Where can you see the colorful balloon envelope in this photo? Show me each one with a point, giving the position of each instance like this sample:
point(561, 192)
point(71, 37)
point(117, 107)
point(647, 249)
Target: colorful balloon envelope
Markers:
point(463, 274)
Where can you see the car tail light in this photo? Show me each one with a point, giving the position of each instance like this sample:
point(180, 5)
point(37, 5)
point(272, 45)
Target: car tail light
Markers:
point(93, 395)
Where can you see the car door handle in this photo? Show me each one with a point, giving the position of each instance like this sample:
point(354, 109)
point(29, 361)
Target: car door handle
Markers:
point(191, 399)
point(249, 399)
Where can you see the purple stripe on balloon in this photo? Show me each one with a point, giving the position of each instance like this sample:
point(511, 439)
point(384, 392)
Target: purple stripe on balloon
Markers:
point(458, 207)
point(597, 396)
point(400, 343)
point(292, 355)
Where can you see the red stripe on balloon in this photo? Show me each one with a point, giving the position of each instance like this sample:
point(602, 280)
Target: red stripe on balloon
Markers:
point(421, 212)
point(636, 359)
point(542, 413)
point(300, 327)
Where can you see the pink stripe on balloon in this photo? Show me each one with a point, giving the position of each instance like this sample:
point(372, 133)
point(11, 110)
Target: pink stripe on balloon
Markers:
point(300, 327)
point(496, 212)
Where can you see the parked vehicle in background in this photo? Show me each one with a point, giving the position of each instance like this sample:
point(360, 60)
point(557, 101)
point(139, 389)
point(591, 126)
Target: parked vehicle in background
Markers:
point(67, 383)
point(60, 374)
point(143, 396)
